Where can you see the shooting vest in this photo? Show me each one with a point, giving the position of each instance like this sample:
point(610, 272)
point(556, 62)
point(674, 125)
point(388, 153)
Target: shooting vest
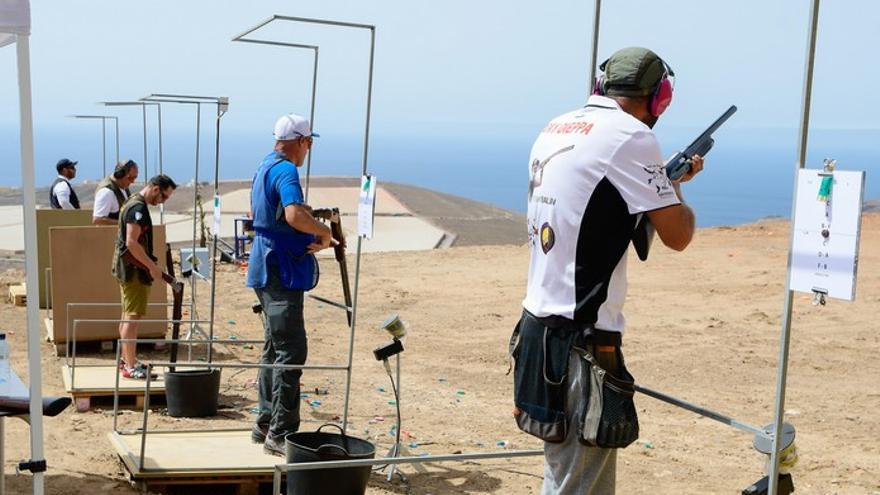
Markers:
point(119, 193)
point(276, 242)
point(53, 200)
point(125, 272)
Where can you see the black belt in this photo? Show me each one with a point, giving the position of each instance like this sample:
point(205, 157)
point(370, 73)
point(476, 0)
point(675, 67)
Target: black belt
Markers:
point(588, 333)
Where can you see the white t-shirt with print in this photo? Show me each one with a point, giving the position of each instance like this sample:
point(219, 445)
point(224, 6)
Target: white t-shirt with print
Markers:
point(592, 173)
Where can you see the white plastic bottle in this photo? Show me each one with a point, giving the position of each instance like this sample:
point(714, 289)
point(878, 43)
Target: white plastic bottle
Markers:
point(4, 359)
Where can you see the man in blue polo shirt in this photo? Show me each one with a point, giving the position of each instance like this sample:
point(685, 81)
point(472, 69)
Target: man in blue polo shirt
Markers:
point(282, 266)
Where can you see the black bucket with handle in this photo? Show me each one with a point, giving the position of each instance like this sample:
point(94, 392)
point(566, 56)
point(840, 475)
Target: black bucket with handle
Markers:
point(192, 393)
point(317, 446)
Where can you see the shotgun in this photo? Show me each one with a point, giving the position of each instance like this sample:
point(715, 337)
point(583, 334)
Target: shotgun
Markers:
point(332, 215)
point(679, 164)
point(176, 292)
point(131, 260)
point(16, 406)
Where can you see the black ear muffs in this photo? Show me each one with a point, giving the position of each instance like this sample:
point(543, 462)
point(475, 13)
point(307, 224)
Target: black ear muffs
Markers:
point(123, 169)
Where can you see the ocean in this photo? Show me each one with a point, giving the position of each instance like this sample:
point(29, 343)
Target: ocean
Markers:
point(749, 174)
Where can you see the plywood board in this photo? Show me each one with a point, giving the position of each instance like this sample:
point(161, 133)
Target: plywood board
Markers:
point(194, 454)
point(101, 380)
point(81, 258)
point(46, 219)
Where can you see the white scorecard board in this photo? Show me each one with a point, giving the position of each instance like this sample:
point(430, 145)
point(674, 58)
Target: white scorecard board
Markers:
point(366, 206)
point(825, 240)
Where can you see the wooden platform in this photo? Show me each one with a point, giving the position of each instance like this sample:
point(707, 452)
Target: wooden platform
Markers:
point(204, 458)
point(98, 381)
point(18, 294)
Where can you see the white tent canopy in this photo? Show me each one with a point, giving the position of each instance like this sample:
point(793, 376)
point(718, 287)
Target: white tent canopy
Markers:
point(15, 27)
point(15, 18)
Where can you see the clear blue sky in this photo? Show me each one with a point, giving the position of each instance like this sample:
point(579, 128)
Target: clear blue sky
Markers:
point(474, 69)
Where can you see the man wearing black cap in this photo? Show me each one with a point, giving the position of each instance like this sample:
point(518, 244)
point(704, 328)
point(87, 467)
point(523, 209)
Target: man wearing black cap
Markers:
point(61, 194)
point(593, 174)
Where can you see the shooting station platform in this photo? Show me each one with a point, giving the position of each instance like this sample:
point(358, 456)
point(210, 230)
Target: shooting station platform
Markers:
point(210, 457)
point(99, 382)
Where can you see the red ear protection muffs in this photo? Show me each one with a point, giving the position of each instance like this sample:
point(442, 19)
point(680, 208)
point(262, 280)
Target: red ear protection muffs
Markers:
point(661, 97)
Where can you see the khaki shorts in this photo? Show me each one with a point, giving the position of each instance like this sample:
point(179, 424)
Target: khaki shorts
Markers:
point(134, 297)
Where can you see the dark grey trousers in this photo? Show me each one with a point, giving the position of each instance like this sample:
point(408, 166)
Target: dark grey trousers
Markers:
point(286, 343)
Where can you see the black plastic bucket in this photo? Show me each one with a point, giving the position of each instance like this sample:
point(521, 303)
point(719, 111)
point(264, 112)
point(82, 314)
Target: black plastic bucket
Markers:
point(316, 446)
point(192, 393)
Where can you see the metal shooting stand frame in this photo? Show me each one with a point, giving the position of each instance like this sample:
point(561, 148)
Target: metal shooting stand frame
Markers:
point(104, 119)
point(777, 437)
point(280, 468)
point(222, 104)
point(143, 106)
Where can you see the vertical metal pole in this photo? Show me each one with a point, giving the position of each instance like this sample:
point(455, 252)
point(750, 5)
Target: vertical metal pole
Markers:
point(146, 168)
point(104, 145)
point(116, 389)
point(357, 266)
point(312, 121)
point(215, 237)
point(116, 120)
point(146, 415)
point(2, 455)
point(161, 171)
point(276, 481)
point(369, 100)
point(29, 215)
point(595, 49)
point(193, 278)
point(785, 338)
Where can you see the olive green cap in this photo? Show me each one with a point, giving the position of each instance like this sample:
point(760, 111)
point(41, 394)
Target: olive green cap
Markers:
point(633, 71)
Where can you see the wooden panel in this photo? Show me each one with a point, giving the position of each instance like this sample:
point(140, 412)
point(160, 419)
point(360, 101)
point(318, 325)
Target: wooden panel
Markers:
point(101, 380)
point(80, 258)
point(210, 453)
point(46, 219)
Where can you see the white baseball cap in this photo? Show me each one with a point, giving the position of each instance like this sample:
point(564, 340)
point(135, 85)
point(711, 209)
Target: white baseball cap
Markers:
point(293, 126)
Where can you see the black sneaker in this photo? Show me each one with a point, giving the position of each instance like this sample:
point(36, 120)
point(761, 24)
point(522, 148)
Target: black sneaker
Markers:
point(258, 433)
point(274, 445)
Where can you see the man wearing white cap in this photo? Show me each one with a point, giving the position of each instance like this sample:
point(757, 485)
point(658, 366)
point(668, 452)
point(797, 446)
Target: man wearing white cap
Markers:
point(282, 266)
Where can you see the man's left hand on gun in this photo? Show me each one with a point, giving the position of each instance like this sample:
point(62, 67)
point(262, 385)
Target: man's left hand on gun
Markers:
point(695, 168)
point(321, 242)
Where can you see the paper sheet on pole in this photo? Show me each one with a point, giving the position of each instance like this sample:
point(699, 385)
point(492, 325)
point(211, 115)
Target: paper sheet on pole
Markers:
point(827, 263)
point(366, 206)
point(217, 215)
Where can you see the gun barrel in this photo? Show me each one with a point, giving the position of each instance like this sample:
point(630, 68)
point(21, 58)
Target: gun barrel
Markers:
point(721, 120)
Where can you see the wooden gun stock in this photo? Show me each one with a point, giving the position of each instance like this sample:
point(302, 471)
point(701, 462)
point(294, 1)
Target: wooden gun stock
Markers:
point(176, 315)
point(15, 406)
point(131, 260)
point(332, 215)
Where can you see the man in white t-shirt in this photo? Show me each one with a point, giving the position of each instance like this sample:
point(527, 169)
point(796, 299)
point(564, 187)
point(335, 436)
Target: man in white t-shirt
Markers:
point(112, 192)
point(593, 174)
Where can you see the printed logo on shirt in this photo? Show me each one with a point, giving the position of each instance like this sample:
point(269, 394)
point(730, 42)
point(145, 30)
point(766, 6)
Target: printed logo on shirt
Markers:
point(537, 169)
point(568, 128)
point(548, 238)
point(657, 178)
point(138, 215)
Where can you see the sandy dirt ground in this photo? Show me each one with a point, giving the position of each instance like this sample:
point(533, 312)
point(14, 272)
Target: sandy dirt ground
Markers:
point(703, 325)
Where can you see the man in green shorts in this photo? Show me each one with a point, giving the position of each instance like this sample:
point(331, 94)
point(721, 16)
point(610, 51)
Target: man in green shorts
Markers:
point(135, 278)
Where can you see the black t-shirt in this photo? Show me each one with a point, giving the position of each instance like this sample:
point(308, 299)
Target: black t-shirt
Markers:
point(134, 211)
point(139, 213)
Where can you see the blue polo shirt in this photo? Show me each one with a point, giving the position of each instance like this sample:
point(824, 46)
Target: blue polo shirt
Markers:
point(277, 245)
